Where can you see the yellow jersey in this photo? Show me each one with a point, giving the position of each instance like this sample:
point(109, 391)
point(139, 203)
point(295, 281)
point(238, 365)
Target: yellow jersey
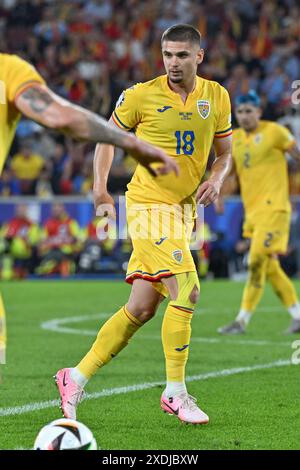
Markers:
point(261, 166)
point(27, 168)
point(184, 131)
point(15, 75)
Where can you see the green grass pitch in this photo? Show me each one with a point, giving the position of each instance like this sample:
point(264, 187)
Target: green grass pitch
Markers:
point(254, 405)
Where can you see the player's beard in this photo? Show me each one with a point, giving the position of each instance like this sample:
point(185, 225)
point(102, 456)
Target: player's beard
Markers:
point(178, 78)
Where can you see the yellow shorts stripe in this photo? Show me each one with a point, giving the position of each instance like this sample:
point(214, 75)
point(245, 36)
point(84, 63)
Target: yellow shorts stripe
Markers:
point(156, 277)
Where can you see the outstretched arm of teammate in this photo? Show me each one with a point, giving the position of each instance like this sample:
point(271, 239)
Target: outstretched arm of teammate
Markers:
point(209, 191)
point(42, 105)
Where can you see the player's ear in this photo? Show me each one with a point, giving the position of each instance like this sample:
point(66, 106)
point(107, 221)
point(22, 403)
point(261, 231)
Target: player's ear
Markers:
point(259, 112)
point(200, 56)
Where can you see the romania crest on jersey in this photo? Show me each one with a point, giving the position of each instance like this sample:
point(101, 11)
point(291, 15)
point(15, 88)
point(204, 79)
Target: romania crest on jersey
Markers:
point(203, 107)
point(177, 255)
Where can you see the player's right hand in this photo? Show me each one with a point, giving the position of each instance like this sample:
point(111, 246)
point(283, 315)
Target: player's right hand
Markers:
point(104, 204)
point(146, 154)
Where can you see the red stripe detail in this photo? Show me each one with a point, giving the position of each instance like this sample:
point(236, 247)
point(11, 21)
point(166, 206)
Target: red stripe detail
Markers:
point(183, 309)
point(117, 122)
point(223, 135)
point(131, 278)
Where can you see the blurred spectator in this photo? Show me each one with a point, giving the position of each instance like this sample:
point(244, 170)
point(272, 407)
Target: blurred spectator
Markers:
point(100, 243)
point(61, 168)
point(50, 28)
point(60, 243)
point(83, 182)
point(90, 50)
point(27, 167)
point(43, 188)
point(19, 239)
point(9, 185)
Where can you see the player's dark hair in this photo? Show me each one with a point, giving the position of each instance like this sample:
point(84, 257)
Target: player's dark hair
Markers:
point(182, 33)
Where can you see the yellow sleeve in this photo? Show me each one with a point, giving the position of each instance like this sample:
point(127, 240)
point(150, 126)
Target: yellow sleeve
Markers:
point(20, 75)
point(127, 113)
point(284, 138)
point(224, 122)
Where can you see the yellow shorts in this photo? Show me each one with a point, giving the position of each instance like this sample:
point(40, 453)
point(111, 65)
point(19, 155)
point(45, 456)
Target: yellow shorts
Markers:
point(160, 246)
point(269, 232)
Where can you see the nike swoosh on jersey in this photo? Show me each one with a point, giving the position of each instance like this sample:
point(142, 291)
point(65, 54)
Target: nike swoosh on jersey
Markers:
point(161, 240)
point(163, 109)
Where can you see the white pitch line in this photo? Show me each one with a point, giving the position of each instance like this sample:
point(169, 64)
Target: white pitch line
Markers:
point(54, 324)
point(57, 325)
point(30, 407)
point(224, 340)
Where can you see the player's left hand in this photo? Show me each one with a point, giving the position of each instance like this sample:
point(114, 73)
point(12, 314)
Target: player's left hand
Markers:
point(208, 192)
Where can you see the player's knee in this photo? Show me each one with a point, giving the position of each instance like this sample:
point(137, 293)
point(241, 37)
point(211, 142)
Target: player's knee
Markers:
point(146, 314)
point(257, 265)
point(142, 311)
point(256, 262)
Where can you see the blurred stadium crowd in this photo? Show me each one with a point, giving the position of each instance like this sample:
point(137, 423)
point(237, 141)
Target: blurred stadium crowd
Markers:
point(60, 246)
point(89, 51)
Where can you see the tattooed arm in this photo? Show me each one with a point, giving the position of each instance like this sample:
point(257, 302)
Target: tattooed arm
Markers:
point(45, 107)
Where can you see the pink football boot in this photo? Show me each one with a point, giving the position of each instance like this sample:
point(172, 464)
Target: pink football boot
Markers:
point(70, 393)
point(184, 407)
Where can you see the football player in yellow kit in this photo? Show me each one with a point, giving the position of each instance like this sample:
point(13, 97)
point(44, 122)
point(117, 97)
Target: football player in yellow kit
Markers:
point(184, 115)
point(260, 167)
point(23, 91)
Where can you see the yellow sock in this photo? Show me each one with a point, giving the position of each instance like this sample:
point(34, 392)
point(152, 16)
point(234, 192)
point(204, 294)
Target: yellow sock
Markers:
point(255, 283)
point(2, 332)
point(176, 334)
point(281, 284)
point(112, 338)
